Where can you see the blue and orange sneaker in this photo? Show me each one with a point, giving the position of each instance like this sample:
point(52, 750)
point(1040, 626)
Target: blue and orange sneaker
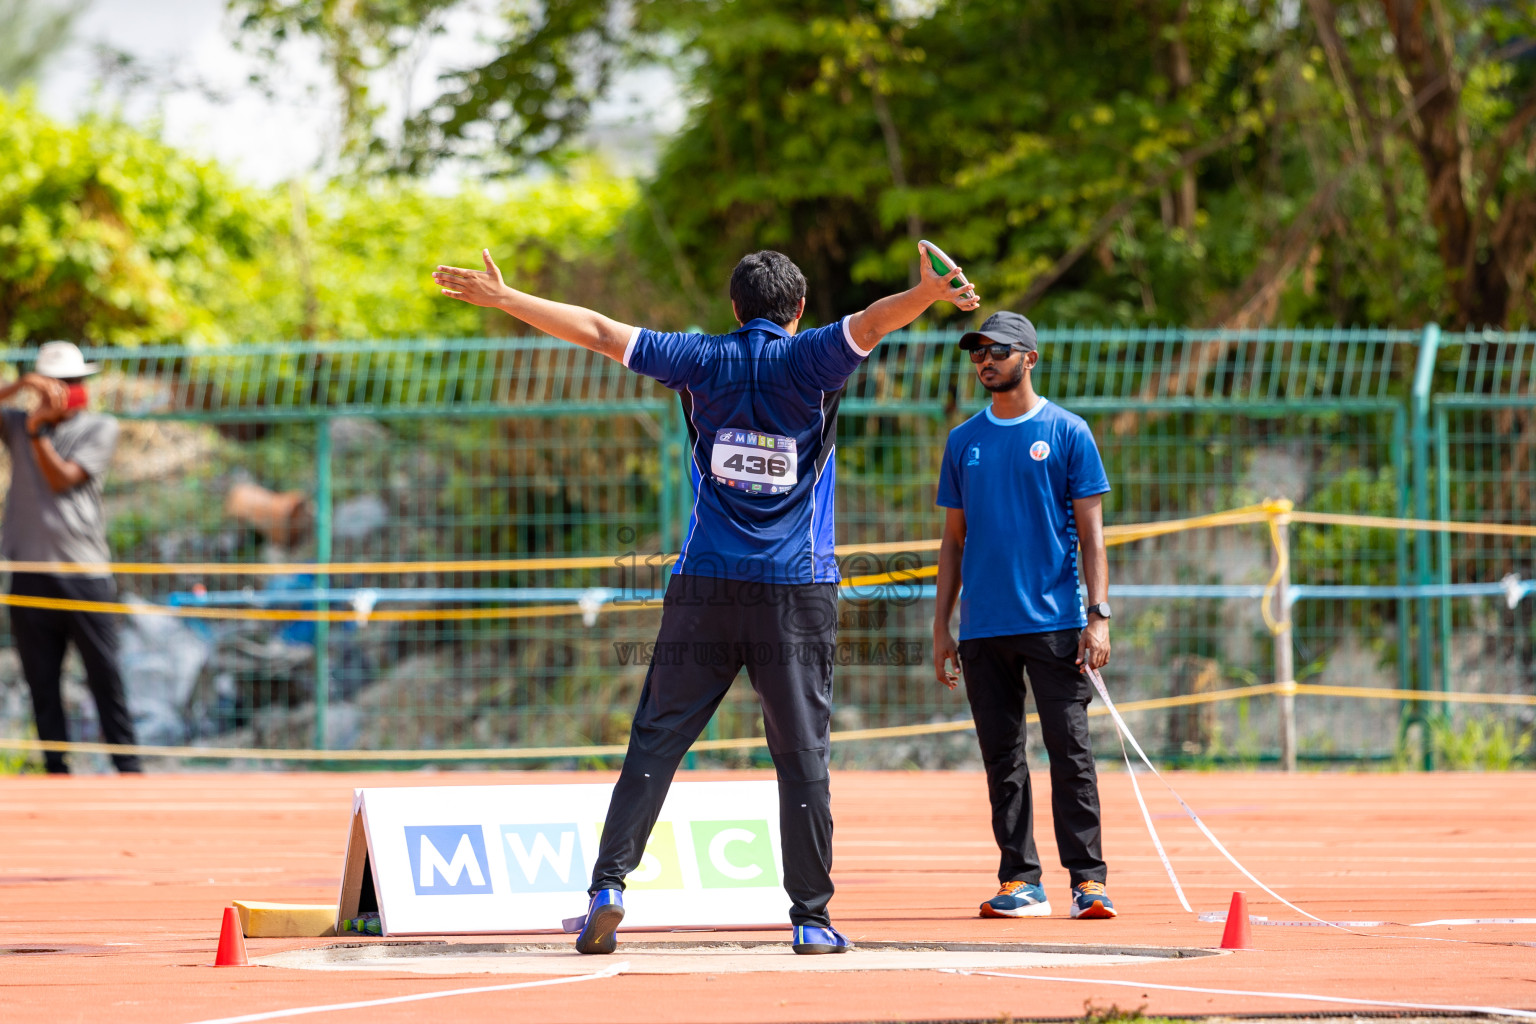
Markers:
point(603, 916)
point(1091, 899)
point(1018, 899)
point(811, 939)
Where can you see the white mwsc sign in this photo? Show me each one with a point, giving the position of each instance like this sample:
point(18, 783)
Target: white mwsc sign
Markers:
point(486, 859)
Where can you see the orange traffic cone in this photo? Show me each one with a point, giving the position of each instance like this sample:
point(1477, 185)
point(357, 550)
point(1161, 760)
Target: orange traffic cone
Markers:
point(231, 942)
point(1236, 935)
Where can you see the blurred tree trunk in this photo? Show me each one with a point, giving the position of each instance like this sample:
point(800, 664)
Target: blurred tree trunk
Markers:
point(1364, 128)
point(1181, 73)
point(1486, 229)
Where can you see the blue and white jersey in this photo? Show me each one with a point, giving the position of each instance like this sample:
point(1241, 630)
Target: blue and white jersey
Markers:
point(1015, 480)
point(761, 407)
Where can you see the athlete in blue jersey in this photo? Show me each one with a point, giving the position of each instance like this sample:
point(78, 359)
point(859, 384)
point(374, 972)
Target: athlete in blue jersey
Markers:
point(755, 585)
point(1022, 484)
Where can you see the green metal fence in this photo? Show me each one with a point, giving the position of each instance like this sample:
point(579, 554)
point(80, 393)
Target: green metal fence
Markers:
point(505, 448)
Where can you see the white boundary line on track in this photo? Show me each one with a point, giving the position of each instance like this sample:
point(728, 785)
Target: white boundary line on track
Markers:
point(1308, 997)
point(606, 972)
point(1220, 917)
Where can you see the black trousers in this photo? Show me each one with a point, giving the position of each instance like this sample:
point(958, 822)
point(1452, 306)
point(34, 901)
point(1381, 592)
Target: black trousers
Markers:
point(784, 635)
point(994, 684)
point(41, 634)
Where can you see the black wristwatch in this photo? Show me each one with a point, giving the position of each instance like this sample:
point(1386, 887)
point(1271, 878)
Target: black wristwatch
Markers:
point(1101, 610)
point(41, 432)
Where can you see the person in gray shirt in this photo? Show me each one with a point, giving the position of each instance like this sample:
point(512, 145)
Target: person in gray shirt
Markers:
point(59, 457)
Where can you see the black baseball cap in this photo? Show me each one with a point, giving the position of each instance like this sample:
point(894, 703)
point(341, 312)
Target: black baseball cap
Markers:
point(1007, 328)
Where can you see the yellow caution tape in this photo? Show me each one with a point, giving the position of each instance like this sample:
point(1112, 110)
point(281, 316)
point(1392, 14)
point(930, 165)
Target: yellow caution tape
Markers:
point(540, 753)
point(755, 742)
point(1275, 514)
point(371, 568)
point(63, 604)
point(1277, 518)
point(1428, 525)
point(1112, 535)
point(1437, 696)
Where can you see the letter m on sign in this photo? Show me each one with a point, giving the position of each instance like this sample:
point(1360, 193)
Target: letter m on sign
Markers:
point(448, 860)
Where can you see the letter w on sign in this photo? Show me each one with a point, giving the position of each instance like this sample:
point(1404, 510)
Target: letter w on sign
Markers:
point(544, 858)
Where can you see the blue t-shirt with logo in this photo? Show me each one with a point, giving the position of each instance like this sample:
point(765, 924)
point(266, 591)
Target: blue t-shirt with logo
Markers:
point(1015, 480)
point(761, 408)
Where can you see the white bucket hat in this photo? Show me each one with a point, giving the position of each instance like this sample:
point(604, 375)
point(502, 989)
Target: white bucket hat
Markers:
point(62, 360)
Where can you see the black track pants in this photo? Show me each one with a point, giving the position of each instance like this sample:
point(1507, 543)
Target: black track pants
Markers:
point(995, 668)
point(784, 634)
point(41, 635)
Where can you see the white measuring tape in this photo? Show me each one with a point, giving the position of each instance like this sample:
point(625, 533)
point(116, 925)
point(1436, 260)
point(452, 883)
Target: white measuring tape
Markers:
point(1313, 921)
point(1146, 816)
point(1128, 737)
point(1220, 917)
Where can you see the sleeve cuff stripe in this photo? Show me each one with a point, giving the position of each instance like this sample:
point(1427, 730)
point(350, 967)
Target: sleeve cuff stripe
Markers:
point(848, 335)
point(629, 349)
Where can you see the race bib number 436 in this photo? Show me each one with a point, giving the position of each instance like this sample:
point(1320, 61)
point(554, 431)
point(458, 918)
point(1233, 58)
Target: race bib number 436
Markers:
point(754, 462)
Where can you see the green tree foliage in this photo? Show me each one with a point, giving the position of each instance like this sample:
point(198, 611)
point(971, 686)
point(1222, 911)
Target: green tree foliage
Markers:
point(557, 62)
point(355, 261)
point(1196, 161)
point(109, 236)
point(1233, 161)
point(1005, 130)
point(1463, 75)
point(357, 37)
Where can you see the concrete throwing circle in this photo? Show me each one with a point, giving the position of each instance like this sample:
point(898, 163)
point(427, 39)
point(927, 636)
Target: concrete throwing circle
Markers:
point(707, 957)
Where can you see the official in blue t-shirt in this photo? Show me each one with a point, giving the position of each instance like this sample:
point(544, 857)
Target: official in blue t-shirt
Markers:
point(755, 585)
point(1023, 484)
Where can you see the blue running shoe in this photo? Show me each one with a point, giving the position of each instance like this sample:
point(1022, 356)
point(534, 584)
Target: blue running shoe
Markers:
point(603, 916)
point(1091, 899)
point(811, 939)
point(1018, 899)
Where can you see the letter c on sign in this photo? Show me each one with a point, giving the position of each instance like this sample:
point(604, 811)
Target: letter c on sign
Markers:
point(722, 864)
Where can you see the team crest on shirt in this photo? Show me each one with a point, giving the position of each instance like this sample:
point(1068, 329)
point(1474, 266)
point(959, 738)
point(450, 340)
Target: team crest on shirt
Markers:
point(1039, 451)
point(974, 458)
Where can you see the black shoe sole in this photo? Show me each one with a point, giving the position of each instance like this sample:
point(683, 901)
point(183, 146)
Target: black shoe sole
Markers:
point(598, 934)
point(812, 948)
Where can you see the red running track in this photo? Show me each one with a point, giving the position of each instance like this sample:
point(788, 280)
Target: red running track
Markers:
point(126, 877)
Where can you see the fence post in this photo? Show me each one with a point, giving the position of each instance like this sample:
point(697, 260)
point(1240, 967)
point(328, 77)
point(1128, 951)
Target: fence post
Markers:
point(1423, 381)
point(1403, 467)
point(1443, 512)
point(1285, 655)
point(322, 579)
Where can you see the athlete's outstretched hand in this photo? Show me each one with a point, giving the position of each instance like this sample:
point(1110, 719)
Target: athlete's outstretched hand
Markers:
point(477, 287)
point(964, 296)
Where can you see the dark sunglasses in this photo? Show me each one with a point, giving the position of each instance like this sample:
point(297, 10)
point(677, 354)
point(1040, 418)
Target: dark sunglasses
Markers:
point(998, 350)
